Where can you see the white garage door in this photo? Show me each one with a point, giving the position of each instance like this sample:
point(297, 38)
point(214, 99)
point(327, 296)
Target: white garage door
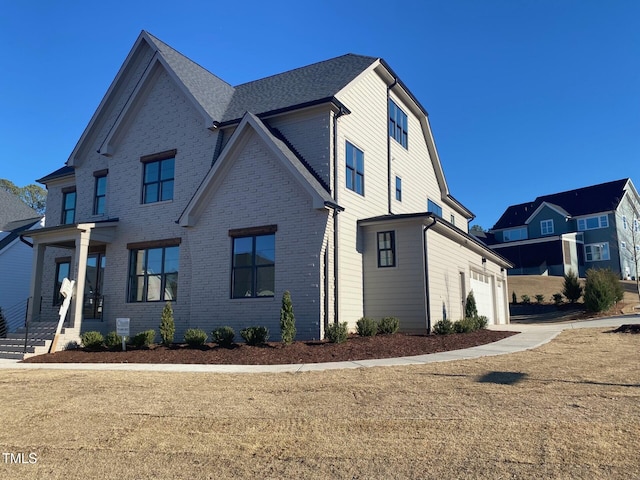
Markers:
point(482, 292)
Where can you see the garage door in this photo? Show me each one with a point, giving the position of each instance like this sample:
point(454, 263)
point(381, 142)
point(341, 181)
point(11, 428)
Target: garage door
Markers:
point(482, 291)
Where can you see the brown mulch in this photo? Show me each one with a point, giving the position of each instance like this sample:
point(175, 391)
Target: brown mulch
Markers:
point(356, 348)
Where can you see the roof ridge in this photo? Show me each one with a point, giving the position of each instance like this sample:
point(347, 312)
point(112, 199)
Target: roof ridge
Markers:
point(541, 197)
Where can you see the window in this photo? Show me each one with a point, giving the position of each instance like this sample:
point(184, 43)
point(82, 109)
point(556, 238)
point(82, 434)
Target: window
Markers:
point(546, 227)
point(596, 252)
point(398, 126)
point(434, 208)
point(624, 222)
point(100, 196)
point(153, 272)
point(635, 225)
point(453, 220)
point(398, 189)
point(158, 176)
point(63, 267)
point(355, 169)
point(69, 206)
point(386, 249)
point(253, 270)
point(514, 234)
point(623, 245)
point(591, 223)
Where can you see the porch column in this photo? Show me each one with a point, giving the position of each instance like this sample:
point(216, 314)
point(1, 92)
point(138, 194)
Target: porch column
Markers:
point(33, 311)
point(80, 268)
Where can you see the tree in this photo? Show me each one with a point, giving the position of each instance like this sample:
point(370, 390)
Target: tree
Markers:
point(32, 195)
point(572, 288)
point(287, 320)
point(167, 325)
point(476, 229)
point(470, 309)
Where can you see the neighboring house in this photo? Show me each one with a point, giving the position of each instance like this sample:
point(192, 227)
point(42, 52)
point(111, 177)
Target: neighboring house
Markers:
point(590, 227)
point(16, 256)
point(324, 181)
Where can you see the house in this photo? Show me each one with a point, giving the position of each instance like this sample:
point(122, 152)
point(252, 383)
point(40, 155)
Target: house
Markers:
point(323, 180)
point(16, 218)
point(590, 227)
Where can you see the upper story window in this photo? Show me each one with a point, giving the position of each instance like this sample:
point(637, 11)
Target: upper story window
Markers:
point(153, 271)
point(624, 222)
point(514, 234)
point(434, 208)
point(253, 263)
point(596, 252)
point(398, 189)
point(354, 169)
point(69, 205)
point(546, 227)
point(453, 220)
point(386, 249)
point(158, 177)
point(100, 197)
point(591, 223)
point(398, 124)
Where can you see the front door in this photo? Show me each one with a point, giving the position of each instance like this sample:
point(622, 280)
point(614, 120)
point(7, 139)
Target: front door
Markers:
point(93, 300)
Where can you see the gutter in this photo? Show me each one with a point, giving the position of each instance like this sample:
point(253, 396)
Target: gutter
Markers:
point(25, 241)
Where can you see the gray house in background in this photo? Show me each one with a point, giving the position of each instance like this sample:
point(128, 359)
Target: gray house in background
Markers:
point(590, 227)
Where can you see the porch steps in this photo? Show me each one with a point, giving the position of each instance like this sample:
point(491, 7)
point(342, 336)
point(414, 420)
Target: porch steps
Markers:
point(38, 341)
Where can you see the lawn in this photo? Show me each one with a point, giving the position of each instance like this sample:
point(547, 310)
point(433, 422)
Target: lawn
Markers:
point(569, 409)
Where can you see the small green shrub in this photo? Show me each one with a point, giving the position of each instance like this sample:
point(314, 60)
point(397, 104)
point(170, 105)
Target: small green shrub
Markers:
point(443, 327)
point(337, 332)
point(525, 299)
point(558, 299)
point(143, 339)
point(167, 325)
point(255, 335)
point(514, 298)
point(481, 322)
point(92, 339)
point(195, 337)
point(572, 288)
point(470, 308)
point(388, 325)
point(112, 340)
point(539, 298)
point(223, 336)
point(366, 327)
point(465, 325)
point(287, 320)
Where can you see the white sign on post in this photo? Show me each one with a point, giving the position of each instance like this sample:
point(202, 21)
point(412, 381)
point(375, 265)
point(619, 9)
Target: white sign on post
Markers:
point(122, 329)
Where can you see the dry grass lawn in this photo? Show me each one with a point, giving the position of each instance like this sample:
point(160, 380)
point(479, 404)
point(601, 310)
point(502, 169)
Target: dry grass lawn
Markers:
point(569, 409)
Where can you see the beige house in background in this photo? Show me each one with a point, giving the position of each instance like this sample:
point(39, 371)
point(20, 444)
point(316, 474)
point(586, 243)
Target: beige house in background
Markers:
point(324, 181)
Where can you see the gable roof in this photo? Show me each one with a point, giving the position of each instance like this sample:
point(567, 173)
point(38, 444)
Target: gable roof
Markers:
point(603, 197)
point(12, 209)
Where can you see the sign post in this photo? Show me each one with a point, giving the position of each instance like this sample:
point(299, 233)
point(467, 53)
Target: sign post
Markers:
point(122, 329)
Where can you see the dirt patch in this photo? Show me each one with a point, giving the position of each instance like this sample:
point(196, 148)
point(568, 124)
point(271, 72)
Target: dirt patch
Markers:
point(628, 328)
point(356, 348)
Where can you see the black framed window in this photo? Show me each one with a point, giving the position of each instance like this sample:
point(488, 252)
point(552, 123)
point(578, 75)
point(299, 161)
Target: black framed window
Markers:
point(387, 249)
point(253, 266)
point(354, 169)
point(69, 206)
point(153, 274)
point(398, 124)
point(158, 178)
point(63, 268)
point(398, 189)
point(100, 197)
point(433, 207)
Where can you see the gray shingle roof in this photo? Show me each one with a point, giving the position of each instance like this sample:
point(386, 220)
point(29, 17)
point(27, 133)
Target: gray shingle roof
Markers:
point(12, 209)
point(59, 173)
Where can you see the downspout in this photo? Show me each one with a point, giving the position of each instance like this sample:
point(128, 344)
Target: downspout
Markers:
point(336, 116)
point(395, 81)
point(26, 242)
point(426, 273)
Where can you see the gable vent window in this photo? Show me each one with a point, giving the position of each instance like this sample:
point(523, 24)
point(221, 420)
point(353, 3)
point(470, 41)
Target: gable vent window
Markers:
point(546, 227)
point(398, 124)
point(158, 177)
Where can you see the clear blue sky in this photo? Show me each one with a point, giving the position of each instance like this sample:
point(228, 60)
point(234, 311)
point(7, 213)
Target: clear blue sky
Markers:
point(525, 97)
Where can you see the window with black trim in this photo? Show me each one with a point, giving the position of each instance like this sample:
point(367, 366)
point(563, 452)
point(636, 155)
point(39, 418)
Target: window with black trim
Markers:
point(100, 197)
point(63, 268)
point(153, 273)
point(69, 206)
point(434, 208)
point(387, 249)
point(253, 266)
point(158, 177)
point(355, 168)
point(398, 124)
point(398, 189)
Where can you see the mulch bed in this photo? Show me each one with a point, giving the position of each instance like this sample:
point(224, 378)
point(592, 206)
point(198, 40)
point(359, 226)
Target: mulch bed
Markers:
point(356, 348)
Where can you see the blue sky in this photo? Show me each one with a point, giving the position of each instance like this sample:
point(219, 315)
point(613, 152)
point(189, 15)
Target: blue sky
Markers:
point(525, 97)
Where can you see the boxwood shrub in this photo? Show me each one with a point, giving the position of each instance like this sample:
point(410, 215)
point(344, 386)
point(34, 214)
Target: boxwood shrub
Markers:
point(223, 336)
point(195, 337)
point(388, 325)
point(92, 339)
point(255, 335)
point(366, 327)
point(143, 339)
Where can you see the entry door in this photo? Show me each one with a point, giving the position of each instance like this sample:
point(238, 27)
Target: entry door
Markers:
point(93, 300)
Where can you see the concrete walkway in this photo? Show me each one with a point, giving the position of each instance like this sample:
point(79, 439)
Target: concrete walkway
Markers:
point(530, 336)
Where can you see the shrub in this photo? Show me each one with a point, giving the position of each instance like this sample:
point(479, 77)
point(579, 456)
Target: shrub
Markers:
point(337, 332)
point(539, 298)
point(112, 340)
point(443, 327)
point(366, 327)
point(223, 336)
point(481, 322)
point(71, 345)
point(514, 298)
point(195, 337)
point(465, 325)
point(602, 290)
point(470, 309)
point(255, 335)
point(143, 339)
point(557, 299)
point(388, 325)
point(287, 320)
point(525, 299)
point(3, 325)
point(572, 288)
point(167, 325)
point(92, 339)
